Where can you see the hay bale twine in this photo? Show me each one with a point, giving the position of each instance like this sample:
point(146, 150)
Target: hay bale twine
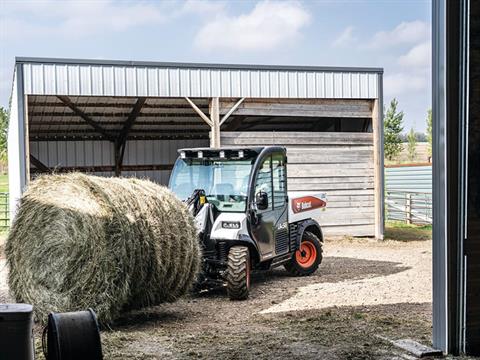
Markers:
point(112, 244)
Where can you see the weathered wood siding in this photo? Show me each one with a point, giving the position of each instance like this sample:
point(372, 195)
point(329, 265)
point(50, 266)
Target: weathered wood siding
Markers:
point(340, 164)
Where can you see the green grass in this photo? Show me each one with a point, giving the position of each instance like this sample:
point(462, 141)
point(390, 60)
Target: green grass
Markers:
point(4, 183)
point(400, 231)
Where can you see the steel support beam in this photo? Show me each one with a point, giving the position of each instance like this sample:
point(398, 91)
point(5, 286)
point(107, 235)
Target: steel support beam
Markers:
point(39, 165)
point(67, 102)
point(121, 141)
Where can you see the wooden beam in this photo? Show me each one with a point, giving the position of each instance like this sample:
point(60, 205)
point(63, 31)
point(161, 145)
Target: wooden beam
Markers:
point(235, 124)
point(199, 112)
point(39, 165)
point(215, 118)
point(121, 140)
point(377, 124)
point(67, 102)
point(232, 109)
point(336, 108)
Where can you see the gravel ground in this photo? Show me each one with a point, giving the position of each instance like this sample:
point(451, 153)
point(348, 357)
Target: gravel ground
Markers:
point(408, 280)
point(363, 290)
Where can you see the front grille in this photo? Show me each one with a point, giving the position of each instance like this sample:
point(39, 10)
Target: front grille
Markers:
point(281, 242)
point(293, 237)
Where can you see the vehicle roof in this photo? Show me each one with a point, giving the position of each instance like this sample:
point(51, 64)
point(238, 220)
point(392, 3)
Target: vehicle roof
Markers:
point(257, 149)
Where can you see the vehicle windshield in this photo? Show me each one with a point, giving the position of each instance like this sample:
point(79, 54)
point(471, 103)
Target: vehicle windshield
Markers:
point(224, 181)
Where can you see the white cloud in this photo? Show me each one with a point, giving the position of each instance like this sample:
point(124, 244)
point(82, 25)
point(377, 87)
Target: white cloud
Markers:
point(418, 56)
point(346, 37)
point(401, 83)
point(75, 19)
point(405, 33)
point(204, 7)
point(268, 25)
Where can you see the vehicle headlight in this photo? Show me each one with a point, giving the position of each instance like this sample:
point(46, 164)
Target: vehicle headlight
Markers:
point(231, 224)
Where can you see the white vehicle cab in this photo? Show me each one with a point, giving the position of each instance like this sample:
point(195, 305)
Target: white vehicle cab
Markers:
point(247, 220)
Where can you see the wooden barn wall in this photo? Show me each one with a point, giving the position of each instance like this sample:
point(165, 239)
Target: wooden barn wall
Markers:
point(86, 153)
point(340, 164)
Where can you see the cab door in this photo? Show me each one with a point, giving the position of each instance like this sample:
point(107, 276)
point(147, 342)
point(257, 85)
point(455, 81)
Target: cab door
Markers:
point(280, 203)
point(264, 220)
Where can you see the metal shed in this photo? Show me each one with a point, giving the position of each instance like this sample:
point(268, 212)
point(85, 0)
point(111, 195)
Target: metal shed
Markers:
point(129, 118)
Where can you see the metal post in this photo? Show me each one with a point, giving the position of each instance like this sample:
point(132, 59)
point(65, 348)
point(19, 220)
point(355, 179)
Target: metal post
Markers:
point(408, 207)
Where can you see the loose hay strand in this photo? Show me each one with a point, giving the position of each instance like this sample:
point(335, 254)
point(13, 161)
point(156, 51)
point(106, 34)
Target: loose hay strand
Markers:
point(112, 244)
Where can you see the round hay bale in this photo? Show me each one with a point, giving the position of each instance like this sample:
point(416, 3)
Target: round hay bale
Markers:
point(112, 244)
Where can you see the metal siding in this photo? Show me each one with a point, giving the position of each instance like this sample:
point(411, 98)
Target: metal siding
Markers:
point(311, 85)
point(283, 84)
point(329, 86)
point(107, 80)
point(50, 79)
point(85, 80)
point(409, 178)
point(16, 164)
point(100, 153)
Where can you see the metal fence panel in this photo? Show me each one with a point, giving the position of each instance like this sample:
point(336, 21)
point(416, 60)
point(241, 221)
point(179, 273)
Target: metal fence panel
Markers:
point(4, 212)
point(409, 194)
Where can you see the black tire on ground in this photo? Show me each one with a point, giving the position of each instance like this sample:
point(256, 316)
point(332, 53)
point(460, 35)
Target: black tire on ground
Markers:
point(305, 261)
point(238, 273)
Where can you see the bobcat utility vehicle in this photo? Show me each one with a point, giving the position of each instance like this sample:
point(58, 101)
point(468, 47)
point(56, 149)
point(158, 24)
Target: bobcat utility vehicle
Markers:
point(245, 217)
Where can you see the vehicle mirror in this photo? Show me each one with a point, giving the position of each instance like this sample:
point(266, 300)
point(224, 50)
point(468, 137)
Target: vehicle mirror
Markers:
point(261, 200)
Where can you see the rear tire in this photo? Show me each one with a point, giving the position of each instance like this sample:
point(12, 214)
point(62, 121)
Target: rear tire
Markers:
point(305, 261)
point(238, 273)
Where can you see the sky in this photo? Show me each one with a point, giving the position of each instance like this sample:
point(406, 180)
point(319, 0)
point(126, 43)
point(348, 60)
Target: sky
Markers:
point(392, 34)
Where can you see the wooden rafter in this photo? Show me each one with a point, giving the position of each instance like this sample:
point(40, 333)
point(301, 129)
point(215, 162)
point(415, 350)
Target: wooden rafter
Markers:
point(232, 109)
point(199, 112)
point(67, 102)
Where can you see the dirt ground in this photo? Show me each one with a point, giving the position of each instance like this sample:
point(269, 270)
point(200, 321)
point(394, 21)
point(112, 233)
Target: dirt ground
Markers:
point(364, 293)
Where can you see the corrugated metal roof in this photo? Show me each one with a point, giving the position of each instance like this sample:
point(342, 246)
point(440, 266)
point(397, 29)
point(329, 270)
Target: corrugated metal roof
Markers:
point(116, 78)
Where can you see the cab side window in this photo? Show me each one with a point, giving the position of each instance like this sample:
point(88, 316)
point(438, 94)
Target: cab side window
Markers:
point(279, 181)
point(264, 181)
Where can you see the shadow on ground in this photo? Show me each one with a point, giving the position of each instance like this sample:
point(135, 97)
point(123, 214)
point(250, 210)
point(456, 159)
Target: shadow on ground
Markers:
point(334, 333)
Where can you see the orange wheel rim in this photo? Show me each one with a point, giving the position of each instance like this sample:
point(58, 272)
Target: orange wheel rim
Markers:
point(306, 255)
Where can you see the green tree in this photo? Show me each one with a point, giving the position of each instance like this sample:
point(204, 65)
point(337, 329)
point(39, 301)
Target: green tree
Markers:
point(429, 133)
point(393, 128)
point(412, 145)
point(3, 135)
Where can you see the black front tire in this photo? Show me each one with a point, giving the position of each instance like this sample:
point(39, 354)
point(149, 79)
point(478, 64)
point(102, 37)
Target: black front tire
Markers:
point(295, 265)
point(238, 273)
